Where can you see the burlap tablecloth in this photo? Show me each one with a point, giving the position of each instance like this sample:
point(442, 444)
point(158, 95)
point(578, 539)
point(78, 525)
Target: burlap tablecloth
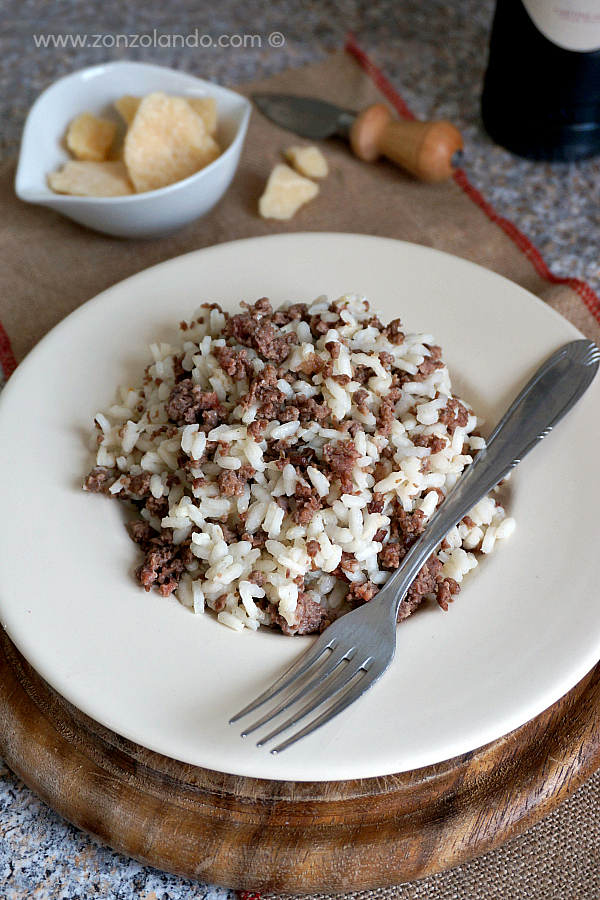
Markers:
point(49, 266)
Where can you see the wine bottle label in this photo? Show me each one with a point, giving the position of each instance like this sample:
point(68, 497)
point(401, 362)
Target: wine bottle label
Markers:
point(571, 24)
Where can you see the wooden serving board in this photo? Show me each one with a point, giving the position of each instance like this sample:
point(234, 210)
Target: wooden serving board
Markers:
point(293, 837)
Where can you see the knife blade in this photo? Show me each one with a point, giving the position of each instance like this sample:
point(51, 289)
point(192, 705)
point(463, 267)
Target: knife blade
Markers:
point(430, 151)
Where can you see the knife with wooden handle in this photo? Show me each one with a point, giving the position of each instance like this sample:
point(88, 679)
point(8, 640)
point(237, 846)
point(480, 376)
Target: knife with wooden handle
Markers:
point(429, 151)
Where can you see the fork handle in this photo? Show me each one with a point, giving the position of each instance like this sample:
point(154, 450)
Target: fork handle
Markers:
point(547, 397)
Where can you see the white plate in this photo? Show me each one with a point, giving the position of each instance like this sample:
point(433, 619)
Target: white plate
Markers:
point(522, 632)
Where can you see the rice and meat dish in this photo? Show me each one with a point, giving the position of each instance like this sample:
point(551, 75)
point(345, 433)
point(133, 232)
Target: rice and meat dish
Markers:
point(280, 463)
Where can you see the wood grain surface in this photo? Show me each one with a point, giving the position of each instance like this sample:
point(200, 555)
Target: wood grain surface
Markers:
point(292, 837)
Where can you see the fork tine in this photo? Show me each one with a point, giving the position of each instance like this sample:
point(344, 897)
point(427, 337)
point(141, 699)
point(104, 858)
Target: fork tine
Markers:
point(341, 677)
point(326, 641)
point(323, 668)
point(356, 689)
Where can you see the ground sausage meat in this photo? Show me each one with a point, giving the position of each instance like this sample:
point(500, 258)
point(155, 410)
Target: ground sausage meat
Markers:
point(310, 616)
point(256, 329)
point(188, 403)
point(164, 561)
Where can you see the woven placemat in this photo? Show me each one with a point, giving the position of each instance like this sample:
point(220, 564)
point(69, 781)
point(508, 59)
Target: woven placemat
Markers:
point(50, 266)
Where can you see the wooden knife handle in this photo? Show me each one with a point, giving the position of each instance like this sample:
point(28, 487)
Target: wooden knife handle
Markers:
point(427, 150)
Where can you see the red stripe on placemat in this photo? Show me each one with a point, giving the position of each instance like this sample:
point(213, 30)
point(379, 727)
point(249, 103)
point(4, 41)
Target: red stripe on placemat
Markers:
point(7, 357)
point(381, 81)
point(585, 292)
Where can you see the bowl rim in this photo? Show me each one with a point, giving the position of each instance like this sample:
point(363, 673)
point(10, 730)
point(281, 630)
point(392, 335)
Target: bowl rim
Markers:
point(97, 70)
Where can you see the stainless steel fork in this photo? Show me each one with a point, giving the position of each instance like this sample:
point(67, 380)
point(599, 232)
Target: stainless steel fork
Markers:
point(354, 652)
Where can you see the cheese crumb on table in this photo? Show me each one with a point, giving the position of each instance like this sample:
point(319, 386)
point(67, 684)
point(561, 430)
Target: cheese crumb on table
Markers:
point(308, 161)
point(286, 191)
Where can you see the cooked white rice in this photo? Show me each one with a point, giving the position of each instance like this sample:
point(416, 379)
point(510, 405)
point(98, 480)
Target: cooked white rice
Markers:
point(288, 510)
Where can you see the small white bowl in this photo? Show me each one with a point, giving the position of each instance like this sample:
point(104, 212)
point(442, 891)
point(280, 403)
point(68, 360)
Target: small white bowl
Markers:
point(144, 215)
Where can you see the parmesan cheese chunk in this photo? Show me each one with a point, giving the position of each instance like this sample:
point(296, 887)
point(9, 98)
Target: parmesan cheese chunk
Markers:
point(308, 161)
point(285, 193)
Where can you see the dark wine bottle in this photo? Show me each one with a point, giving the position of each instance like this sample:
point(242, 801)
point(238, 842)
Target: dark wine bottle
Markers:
point(541, 92)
